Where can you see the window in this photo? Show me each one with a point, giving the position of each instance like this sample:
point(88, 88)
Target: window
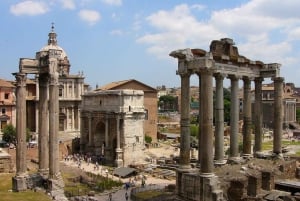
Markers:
point(6, 95)
point(60, 93)
point(3, 111)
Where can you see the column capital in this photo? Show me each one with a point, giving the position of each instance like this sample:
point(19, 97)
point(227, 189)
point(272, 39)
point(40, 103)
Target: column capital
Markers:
point(258, 79)
point(278, 79)
point(21, 79)
point(220, 76)
point(247, 78)
point(234, 77)
point(184, 74)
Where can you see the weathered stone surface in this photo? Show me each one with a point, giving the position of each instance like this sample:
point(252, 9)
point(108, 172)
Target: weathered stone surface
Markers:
point(236, 191)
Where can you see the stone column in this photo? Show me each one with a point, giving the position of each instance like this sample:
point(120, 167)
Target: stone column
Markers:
point(119, 152)
point(207, 124)
point(247, 118)
point(53, 124)
point(106, 131)
point(43, 125)
point(83, 137)
point(278, 114)
point(184, 160)
point(258, 116)
point(21, 166)
point(90, 130)
point(219, 120)
point(234, 118)
point(200, 120)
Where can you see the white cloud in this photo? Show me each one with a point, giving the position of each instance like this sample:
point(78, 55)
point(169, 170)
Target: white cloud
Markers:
point(90, 16)
point(68, 4)
point(177, 29)
point(117, 32)
point(252, 25)
point(113, 2)
point(30, 8)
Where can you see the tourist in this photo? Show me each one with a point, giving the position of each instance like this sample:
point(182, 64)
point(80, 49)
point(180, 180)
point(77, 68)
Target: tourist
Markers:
point(126, 196)
point(110, 197)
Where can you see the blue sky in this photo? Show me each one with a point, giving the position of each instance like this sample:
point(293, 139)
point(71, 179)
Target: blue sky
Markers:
point(112, 40)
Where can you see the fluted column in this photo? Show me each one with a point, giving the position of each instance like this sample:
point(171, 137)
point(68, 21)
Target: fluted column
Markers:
point(53, 123)
point(184, 161)
point(207, 123)
point(278, 114)
point(247, 118)
point(219, 120)
point(258, 115)
point(234, 118)
point(21, 166)
point(43, 124)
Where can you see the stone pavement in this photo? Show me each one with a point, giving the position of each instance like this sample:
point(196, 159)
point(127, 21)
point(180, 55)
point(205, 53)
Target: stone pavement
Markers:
point(117, 194)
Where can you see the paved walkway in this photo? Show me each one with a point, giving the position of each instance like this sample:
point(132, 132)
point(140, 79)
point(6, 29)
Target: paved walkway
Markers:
point(119, 194)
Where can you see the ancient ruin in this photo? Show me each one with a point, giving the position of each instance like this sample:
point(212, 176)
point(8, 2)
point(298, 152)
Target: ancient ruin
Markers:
point(49, 64)
point(222, 61)
point(113, 126)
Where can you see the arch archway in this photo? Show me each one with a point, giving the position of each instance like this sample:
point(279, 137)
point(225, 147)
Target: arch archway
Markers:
point(99, 138)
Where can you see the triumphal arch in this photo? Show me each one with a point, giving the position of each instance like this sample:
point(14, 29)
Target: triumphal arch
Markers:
point(222, 61)
point(49, 63)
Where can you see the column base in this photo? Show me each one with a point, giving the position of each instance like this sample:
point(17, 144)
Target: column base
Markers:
point(207, 175)
point(220, 162)
point(247, 156)
point(184, 167)
point(44, 173)
point(235, 160)
point(19, 183)
point(119, 163)
point(277, 155)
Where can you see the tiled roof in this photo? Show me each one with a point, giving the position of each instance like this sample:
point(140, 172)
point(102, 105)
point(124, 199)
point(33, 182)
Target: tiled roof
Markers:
point(5, 83)
point(118, 84)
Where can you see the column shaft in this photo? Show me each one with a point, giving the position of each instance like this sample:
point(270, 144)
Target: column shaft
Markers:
point(247, 117)
point(21, 166)
point(207, 127)
point(258, 117)
point(278, 114)
point(53, 126)
point(219, 120)
point(90, 130)
point(234, 118)
point(185, 122)
point(43, 124)
point(106, 132)
point(199, 119)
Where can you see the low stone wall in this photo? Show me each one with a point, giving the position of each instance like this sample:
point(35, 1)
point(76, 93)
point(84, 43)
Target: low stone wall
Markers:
point(6, 165)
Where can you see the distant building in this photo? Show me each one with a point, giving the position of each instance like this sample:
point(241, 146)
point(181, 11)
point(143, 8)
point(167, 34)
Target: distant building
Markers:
point(7, 104)
point(150, 102)
point(113, 126)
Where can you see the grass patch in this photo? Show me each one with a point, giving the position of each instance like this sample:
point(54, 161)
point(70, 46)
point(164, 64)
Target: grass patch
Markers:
point(6, 185)
point(148, 194)
point(81, 183)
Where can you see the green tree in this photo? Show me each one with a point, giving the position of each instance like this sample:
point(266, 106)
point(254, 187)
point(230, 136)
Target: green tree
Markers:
point(167, 103)
point(9, 133)
point(148, 139)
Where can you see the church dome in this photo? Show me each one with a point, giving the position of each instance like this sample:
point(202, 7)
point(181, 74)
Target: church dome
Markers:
point(52, 44)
